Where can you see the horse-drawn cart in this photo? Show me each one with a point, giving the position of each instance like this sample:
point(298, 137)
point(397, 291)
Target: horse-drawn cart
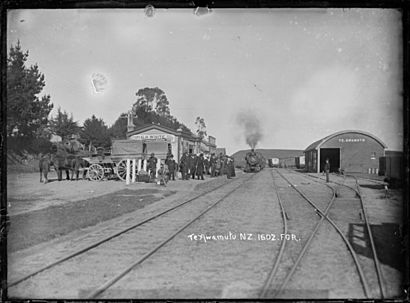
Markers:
point(114, 164)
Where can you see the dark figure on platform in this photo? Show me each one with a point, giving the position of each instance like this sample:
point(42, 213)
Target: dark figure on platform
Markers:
point(225, 165)
point(170, 162)
point(206, 165)
point(218, 166)
point(233, 174)
point(192, 169)
point(230, 170)
point(152, 165)
point(212, 162)
point(200, 167)
point(184, 166)
point(223, 160)
point(327, 169)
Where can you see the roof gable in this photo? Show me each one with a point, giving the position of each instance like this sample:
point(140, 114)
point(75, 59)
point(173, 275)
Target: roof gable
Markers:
point(158, 127)
point(149, 127)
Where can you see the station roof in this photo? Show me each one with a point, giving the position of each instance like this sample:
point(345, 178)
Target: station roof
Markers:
point(317, 144)
point(185, 134)
point(163, 128)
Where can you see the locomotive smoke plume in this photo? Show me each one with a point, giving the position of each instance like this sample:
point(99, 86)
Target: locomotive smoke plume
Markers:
point(251, 127)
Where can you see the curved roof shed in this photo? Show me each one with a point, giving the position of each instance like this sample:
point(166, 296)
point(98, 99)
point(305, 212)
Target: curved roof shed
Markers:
point(349, 150)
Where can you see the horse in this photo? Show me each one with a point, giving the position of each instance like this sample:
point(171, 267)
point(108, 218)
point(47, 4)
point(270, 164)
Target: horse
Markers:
point(64, 156)
point(59, 161)
point(76, 164)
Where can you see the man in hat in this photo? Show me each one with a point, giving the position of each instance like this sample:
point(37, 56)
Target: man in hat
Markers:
point(152, 165)
point(206, 164)
point(200, 166)
point(192, 165)
point(183, 164)
point(212, 162)
point(327, 170)
point(170, 162)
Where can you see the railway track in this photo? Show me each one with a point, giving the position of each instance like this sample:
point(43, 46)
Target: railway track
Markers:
point(278, 259)
point(324, 215)
point(101, 289)
point(337, 186)
point(122, 233)
point(357, 190)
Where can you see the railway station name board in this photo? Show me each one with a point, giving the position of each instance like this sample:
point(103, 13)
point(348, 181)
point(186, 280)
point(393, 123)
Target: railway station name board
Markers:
point(351, 140)
point(154, 137)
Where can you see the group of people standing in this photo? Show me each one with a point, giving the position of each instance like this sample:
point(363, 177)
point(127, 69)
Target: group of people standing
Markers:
point(192, 166)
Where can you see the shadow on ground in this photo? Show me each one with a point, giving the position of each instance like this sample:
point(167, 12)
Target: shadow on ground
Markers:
point(386, 239)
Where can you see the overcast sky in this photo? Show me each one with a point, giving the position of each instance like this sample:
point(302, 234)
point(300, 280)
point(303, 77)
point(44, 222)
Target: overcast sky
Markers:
point(304, 73)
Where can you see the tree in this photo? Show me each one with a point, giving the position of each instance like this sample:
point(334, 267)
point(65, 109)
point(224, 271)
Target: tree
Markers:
point(201, 127)
point(63, 125)
point(119, 129)
point(26, 111)
point(95, 132)
point(152, 107)
point(152, 100)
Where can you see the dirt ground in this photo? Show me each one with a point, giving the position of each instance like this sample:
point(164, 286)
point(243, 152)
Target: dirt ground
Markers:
point(40, 212)
point(25, 192)
point(223, 269)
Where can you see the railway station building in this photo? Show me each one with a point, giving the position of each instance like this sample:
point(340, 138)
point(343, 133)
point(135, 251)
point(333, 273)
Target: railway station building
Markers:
point(161, 140)
point(352, 151)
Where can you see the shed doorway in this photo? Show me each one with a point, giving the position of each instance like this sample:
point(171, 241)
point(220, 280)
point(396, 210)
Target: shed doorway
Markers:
point(333, 154)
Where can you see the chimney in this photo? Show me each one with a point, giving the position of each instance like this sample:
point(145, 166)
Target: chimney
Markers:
point(130, 123)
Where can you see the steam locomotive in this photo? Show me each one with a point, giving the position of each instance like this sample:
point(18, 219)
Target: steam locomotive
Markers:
point(254, 162)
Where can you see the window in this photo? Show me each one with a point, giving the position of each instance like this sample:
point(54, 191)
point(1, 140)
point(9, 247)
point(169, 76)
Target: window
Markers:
point(373, 156)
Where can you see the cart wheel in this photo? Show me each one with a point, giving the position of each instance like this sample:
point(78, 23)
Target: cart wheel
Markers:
point(122, 170)
point(95, 172)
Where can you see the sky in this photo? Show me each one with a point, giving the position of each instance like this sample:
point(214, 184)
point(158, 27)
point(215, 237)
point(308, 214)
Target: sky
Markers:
point(303, 73)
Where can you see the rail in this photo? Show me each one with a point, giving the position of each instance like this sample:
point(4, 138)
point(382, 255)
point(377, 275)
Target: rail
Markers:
point(119, 276)
point(275, 267)
point(110, 237)
point(324, 215)
point(371, 238)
